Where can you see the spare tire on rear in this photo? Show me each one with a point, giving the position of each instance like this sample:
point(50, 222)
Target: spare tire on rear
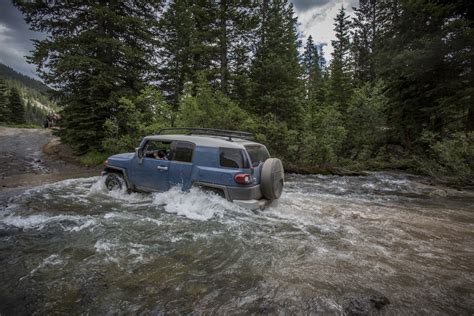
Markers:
point(272, 178)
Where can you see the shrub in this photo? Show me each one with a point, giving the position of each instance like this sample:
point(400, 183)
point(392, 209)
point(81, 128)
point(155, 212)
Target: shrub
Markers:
point(451, 157)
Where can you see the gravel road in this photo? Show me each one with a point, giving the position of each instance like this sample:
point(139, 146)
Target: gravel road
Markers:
point(23, 163)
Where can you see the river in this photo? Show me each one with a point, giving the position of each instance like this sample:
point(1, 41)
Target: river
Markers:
point(330, 246)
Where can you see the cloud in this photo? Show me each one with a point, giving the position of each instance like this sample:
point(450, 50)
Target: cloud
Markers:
point(15, 39)
point(318, 20)
point(303, 5)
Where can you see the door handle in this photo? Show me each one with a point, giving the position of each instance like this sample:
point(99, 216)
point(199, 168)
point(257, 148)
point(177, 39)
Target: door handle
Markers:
point(162, 168)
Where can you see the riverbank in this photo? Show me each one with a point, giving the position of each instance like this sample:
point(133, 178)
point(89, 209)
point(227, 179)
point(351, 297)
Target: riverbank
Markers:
point(30, 157)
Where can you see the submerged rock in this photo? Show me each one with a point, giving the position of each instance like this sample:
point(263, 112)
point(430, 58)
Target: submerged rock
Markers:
point(359, 306)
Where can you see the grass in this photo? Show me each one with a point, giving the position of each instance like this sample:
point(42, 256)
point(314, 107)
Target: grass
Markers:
point(93, 158)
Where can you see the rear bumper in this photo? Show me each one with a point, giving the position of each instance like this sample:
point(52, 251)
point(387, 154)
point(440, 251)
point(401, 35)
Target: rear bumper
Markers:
point(244, 193)
point(246, 197)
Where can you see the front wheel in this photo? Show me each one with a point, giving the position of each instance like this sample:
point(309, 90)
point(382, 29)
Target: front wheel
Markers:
point(115, 182)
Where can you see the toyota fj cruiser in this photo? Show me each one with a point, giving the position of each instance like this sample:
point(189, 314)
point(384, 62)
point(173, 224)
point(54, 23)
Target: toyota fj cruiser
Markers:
point(226, 162)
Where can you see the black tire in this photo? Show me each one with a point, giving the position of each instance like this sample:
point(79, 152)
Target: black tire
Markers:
point(272, 178)
point(115, 182)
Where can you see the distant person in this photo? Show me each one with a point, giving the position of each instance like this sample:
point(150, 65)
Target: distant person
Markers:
point(48, 122)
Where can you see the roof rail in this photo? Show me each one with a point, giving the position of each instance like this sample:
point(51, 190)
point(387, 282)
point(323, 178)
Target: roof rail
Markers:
point(208, 131)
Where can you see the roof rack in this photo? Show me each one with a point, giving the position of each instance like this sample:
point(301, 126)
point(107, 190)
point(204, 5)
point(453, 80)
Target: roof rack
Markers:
point(208, 131)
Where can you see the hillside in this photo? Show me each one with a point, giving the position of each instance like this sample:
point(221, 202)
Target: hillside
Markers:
point(9, 74)
point(36, 96)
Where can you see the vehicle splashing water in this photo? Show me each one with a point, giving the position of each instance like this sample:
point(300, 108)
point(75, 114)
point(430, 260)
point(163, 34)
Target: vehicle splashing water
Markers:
point(332, 244)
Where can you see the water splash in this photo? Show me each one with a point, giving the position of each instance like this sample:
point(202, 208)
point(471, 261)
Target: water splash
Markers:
point(193, 251)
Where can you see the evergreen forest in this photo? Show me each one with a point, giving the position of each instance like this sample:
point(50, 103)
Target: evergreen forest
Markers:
point(24, 102)
point(396, 92)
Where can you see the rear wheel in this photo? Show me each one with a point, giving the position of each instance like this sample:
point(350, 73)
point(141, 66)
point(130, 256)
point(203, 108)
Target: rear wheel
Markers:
point(115, 182)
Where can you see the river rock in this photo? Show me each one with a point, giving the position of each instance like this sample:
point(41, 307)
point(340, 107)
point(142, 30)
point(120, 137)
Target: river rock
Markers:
point(359, 306)
point(438, 192)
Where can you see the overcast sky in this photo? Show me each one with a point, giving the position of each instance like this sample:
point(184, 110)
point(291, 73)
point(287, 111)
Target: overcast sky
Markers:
point(315, 17)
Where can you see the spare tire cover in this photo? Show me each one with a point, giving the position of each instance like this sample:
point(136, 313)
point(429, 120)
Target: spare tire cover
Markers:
point(272, 178)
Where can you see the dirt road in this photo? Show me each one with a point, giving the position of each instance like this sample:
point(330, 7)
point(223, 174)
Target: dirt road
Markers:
point(24, 164)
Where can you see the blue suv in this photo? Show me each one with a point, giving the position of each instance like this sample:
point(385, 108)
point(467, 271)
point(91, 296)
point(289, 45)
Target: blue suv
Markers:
point(226, 162)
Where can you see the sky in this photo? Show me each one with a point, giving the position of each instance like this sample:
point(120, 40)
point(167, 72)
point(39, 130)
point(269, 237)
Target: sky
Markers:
point(315, 17)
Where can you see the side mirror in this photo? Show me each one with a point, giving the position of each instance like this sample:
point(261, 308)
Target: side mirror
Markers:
point(139, 152)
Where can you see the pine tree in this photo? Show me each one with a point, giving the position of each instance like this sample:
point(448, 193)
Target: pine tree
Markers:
point(176, 32)
point(237, 22)
point(205, 37)
point(276, 72)
point(29, 115)
point(17, 109)
point(96, 52)
point(204, 42)
point(312, 71)
point(367, 27)
point(426, 62)
point(340, 82)
point(4, 108)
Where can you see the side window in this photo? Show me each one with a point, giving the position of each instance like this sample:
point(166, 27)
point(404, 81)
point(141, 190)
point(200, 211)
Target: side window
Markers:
point(257, 153)
point(157, 149)
point(183, 151)
point(232, 158)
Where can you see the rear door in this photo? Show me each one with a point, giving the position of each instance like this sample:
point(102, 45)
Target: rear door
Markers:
point(181, 164)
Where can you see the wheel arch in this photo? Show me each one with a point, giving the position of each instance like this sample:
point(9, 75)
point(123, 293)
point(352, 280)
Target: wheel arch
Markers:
point(119, 170)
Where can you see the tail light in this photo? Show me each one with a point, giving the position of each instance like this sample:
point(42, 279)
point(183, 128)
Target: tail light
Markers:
point(243, 178)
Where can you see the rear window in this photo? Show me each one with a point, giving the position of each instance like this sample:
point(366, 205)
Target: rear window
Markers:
point(257, 154)
point(183, 152)
point(232, 158)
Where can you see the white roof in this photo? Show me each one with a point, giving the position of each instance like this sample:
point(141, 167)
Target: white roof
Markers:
point(205, 140)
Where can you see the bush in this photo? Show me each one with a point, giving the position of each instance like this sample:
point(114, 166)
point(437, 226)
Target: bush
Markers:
point(451, 157)
point(93, 158)
point(366, 120)
point(135, 118)
point(279, 139)
point(321, 145)
point(211, 109)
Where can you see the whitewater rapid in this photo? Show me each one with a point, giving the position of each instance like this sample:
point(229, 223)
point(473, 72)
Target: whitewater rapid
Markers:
point(72, 246)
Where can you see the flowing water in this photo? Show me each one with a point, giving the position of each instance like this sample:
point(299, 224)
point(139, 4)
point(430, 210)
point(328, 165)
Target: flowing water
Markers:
point(72, 247)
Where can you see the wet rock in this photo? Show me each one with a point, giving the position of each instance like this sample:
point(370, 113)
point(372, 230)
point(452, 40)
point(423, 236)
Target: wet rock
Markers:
point(359, 306)
point(355, 215)
point(439, 192)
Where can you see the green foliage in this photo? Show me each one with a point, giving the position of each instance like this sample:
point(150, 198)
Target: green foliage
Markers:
point(135, 118)
point(424, 63)
point(16, 108)
point(340, 81)
point(398, 91)
point(366, 122)
point(322, 144)
point(94, 158)
point(451, 157)
point(176, 32)
point(280, 140)
point(275, 73)
point(210, 108)
point(4, 103)
point(97, 54)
